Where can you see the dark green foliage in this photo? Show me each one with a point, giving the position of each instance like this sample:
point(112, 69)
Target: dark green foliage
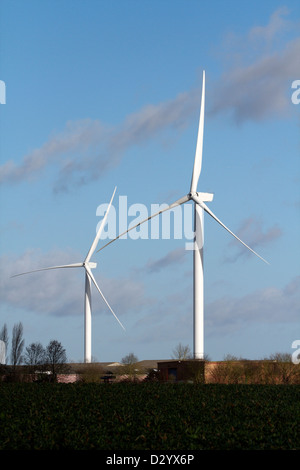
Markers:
point(151, 416)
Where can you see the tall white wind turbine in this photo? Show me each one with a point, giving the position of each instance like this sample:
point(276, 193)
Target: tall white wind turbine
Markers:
point(88, 265)
point(199, 200)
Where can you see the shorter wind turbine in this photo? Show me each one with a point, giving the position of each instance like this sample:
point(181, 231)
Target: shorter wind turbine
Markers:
point(89, 277)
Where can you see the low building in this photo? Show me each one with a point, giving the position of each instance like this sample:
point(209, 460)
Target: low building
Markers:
point(182, 371)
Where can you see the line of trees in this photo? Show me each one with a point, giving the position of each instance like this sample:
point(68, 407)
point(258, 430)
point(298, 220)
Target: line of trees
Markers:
point(183, 353)
point(53, 358)
point(278, 368)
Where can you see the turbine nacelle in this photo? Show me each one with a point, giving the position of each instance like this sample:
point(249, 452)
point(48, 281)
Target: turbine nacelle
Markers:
point(90, 264)
point(205, 197)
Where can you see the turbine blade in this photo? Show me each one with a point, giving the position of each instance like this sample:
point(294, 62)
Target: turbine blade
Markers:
point(199, 147)
point(204, 206)
point(88, 270)
point(171, 206)
point(95, 242)
point(75, 265)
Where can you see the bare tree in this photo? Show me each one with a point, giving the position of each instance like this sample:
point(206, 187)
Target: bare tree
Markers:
point(129, 366)
point(286, 371)
point(56, 358)
point(34, 355)
point(182, 353)
point(129, 359)
point(17, 344)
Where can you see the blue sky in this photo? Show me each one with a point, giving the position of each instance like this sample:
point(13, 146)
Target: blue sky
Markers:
point(107, 93)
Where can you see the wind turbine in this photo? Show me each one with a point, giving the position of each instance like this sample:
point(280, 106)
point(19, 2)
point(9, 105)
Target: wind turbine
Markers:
point(89, 277)
point(199, 200)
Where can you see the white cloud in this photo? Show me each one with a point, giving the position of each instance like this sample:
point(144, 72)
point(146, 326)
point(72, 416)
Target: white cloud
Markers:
point(256, 84)
point(86, 149)
point(269, 305)
point(76, 138)
point(153, 119)
point(278, 24)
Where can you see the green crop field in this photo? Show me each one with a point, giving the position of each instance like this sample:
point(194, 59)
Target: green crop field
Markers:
point(149, 416)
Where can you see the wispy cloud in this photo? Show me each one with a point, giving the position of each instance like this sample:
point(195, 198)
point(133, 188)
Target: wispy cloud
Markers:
point(256, 83)
point(171, 318)
point(252, 232)
point(170, 259)
point(269, 305)
point(76, 138)
point(86, 149)
point(152, 120)
point(279, 23)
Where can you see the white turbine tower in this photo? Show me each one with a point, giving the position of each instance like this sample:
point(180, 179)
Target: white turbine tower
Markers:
point(2, 352)
point(89, 277)
point(199, 200)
